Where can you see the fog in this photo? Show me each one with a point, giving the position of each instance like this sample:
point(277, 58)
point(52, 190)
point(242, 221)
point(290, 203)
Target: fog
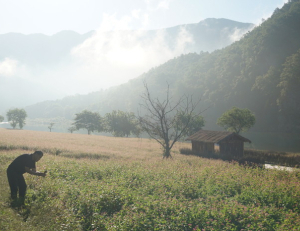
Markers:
point(113, 59)
point(104, 59)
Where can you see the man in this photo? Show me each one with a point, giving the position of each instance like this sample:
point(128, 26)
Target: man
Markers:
point(22, 164)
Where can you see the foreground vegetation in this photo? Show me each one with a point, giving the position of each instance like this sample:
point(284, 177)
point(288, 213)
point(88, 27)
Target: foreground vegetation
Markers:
point(103, 183)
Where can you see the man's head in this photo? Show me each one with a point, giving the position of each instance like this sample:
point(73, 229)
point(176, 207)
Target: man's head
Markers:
point(37, 155)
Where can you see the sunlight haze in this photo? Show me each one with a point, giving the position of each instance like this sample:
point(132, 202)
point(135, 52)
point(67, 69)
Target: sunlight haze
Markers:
point(119, 48)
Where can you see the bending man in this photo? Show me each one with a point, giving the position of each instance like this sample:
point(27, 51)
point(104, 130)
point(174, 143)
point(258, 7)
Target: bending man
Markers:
point(22, 164)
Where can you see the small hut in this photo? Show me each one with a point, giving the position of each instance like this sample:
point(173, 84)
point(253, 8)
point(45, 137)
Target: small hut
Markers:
point(230, 143)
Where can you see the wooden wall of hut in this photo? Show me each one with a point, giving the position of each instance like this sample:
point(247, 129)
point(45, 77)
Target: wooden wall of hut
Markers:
point(202, 147)
point(233, 148)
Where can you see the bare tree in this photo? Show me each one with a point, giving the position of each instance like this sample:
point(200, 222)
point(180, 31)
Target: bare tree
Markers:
point(160, 119)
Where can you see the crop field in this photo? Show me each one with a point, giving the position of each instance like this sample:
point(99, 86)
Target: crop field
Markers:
point(107, 183)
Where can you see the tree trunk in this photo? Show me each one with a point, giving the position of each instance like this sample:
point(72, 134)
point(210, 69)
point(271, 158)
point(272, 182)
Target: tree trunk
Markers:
point(167, 152)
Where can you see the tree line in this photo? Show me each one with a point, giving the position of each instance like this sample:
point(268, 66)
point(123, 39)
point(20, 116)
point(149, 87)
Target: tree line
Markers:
point(164, 121)
point(118, 123)
point(16, 117)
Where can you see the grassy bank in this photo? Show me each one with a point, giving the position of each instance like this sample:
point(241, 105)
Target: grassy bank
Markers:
point(130, 187)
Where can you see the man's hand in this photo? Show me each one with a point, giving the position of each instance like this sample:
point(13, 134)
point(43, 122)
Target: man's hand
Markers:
point(33, 172)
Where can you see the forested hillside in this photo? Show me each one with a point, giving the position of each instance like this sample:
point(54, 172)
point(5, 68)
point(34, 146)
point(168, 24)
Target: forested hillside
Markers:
point(260, 72)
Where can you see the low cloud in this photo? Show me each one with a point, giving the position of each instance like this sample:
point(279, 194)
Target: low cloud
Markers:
point(239, 33)
point(111, 58)
point(8, 67)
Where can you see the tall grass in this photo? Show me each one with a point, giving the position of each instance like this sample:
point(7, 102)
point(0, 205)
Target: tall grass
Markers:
point(137, 190)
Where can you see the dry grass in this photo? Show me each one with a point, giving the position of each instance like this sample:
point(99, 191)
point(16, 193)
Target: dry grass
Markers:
point(81, 144)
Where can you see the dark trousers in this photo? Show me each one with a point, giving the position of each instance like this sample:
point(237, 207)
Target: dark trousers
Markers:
point(16, 183)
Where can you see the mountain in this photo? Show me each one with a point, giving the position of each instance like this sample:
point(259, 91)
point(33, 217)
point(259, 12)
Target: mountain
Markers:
point(39, 49)
point(37, 67)
point(260, 72)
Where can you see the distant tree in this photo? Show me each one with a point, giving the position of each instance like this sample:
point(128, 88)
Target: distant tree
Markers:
point(137, 130)
point(16, 116)
point(160, 119)
point(121, 123)
point(195, 123)
point(51, 126)
point(91, 121)
point(1, 118)
point(237, 120)
point(72, 129)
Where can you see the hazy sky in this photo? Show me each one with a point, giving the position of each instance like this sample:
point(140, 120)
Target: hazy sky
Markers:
point(52, 16)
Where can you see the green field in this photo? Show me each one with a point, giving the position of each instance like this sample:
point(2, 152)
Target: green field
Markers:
point(106, 183)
